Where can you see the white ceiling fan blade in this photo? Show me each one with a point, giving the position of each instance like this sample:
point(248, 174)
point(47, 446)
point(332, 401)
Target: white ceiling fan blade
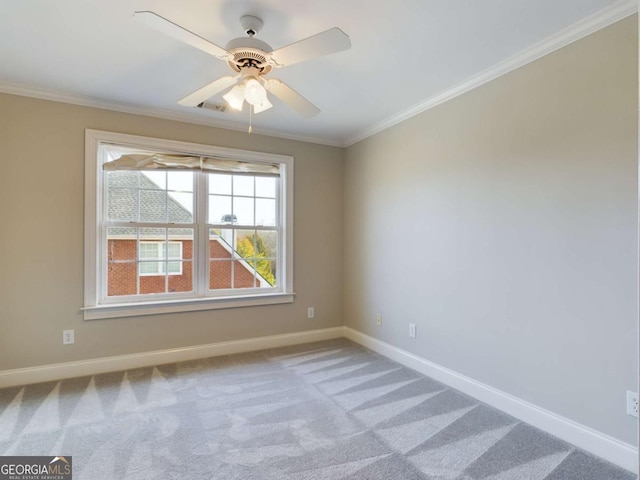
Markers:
point(208, 91)
point(174, 30)
point(291, 98)
point(330, 41)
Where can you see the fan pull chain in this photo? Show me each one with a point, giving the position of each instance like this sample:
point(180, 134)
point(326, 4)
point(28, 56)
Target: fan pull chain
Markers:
point(250, 118)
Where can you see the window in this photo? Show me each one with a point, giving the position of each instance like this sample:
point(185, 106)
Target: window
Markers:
point(172, 226)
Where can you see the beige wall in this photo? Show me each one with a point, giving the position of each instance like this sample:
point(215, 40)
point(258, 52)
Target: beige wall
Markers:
point(504, 224)
point(41, 251)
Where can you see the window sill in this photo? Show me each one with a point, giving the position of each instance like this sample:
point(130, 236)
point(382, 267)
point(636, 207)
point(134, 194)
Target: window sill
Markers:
point(179, 306)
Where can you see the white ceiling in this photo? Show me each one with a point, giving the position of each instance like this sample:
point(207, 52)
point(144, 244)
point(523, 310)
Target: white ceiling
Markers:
point(404, 53)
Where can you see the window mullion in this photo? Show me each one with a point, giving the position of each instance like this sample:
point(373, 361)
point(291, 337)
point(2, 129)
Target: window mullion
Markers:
point(165, 258)
point(201, 240)
point(165, 248)
point(281, 280)
point(103, 240)
point(138, 263)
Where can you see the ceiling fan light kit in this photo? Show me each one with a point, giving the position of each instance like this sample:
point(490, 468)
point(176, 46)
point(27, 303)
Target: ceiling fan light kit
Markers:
point(251, 60)
point(250, 90)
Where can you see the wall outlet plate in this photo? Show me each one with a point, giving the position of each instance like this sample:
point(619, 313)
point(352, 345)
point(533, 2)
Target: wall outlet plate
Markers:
point(379, 319)
point(632, 403)
point(412, 330)
point(311, 312)
point(68, 337)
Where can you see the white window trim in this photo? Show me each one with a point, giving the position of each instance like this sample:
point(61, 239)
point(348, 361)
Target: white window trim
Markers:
point(93, 309)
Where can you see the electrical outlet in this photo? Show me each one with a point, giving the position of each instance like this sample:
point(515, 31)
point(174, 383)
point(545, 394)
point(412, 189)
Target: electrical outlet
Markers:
point(632, 403)
point(379, 319)
point(412, 330)
point(311, 313)
point(68, 337)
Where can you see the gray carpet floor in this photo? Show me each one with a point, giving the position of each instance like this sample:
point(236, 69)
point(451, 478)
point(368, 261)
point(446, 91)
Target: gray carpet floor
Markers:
point(327, 410)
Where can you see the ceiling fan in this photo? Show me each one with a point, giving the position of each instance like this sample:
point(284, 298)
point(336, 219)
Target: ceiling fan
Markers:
point(251, 60)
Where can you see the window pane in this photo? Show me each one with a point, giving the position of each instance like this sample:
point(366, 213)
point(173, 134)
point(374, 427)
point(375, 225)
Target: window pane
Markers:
point(183, 282)
point(180, 207)
point(245, 244)
point(180, 181)
point(122, 278)
point(267, 272)
point(244, 276)
point(268, 242)
point(121, 244)
point(172, 253)
point(122, 179)
point(147, 182)
point(150, 268)
point(266, 265)
point(154, 180)
point(153, 284)
point(152, 235)
point(122, 255)
point(220, 209)
point(265, 212)
point(266, 187)
point(122, 204)
point(252, 247)
point(162, 251)
point(153, 206)
point(185, 237)
point(243, 210)
point(266, 253)
point(220, 274)
point(175, 250)
point(220, 244)
point(174, 268)
point(243, 185)
point(220, 184)
point(149, 251)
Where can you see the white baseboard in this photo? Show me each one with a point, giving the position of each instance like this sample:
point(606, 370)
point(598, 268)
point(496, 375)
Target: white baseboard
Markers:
point(597, 443)
point(24, 376)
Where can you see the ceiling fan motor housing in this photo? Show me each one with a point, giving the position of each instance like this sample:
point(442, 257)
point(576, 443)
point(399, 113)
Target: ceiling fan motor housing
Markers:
point(249, 52)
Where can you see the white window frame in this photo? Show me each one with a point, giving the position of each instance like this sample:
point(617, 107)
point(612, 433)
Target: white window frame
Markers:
point(159, 260)
point(97, 306)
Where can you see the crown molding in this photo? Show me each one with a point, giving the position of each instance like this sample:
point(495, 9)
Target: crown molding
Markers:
point(581, 29)
point(165, 114)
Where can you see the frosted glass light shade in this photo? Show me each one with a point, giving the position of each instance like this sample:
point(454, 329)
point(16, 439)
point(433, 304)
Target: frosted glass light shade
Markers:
point(235, 97)
point(254, 93)
point(261, 107)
